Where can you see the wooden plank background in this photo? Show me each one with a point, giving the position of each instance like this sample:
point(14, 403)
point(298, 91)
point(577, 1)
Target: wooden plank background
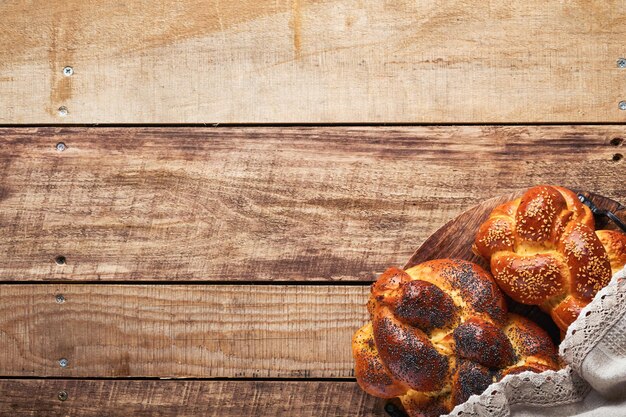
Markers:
point(123, 398)
point(312, 61)
point(204, 331)
point(266, 204)
point(240, 257)
point(193, 252)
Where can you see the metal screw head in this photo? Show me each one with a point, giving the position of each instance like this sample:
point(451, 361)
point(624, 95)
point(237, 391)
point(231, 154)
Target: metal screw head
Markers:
point(60, 298)
point(622, 105)
point(63, 111)
point(621, 63)
point(60, 260)
point(63, 363)
point(68, 71)
point(61, 146)
point(62, 396)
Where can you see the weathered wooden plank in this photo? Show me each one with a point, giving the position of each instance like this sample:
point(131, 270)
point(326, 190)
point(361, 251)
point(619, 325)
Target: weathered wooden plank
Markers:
point(143, 61)
point(335, 203)
point(179, 331)
point(150, 398)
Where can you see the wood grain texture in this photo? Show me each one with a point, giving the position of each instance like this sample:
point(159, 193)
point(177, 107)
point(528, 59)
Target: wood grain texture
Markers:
point(180, 331)
point(262, 204)
point(312, 61)
point(123, 398)
point(455, 238)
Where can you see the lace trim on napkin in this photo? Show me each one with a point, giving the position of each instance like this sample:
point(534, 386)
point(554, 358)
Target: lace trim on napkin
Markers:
point(529, 388)
point(594, 321)
point(565, 386)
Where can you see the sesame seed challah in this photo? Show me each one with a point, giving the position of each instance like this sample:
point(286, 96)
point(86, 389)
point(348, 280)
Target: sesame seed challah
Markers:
point(543, 250)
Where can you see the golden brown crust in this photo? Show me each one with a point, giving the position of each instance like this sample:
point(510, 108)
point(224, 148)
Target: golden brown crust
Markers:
point(615, 244)
point(535, 367)
point(484, 343)
point(425, 306)
point(533, 347)
point(408, 353)
point(369, 370)
point(589, 266)
point(529, 279)
point(530, 342)
point(542, 249)
point(541, 211)
point(439, 333)
point(389, 282)
point(566, 311)
point(418, 404)
point(469, 378)
point(582, 213)
point(496, 235)
point(474, 287)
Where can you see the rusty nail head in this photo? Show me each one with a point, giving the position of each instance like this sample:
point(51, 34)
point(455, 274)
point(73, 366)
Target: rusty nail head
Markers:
point(62, 395)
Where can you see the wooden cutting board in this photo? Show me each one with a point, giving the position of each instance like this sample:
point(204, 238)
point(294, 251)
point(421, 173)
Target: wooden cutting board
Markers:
point(455, 239)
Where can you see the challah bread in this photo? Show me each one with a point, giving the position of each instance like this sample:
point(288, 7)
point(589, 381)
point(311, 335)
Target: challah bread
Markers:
point(543, 250)
point(440, 332)
point(615, 244)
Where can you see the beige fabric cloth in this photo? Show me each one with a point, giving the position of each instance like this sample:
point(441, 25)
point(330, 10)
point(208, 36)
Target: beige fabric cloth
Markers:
point(592, 385)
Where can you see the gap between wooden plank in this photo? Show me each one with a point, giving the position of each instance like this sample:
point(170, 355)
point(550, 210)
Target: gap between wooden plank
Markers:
point(154, 378)
point(117, 398)
point(199, 282)
point(295, 125)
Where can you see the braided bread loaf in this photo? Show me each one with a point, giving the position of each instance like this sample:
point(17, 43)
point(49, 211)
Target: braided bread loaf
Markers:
point(543, 250)
point(440, 332)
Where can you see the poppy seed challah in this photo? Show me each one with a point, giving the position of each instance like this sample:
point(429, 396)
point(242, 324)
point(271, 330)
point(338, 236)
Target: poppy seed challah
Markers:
point(440, 332)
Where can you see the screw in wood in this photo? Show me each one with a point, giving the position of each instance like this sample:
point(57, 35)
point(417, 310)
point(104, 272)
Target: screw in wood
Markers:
point(68, 71)
point(63, 363)
point(621, 63)
point(62, 396)
point(60, 146)
point(63, 111)
point(60, 298)
point(622, 105)
point(60, 260)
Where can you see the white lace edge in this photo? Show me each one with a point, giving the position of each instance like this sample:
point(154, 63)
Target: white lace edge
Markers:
point(594, 321)
point(551, 388)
